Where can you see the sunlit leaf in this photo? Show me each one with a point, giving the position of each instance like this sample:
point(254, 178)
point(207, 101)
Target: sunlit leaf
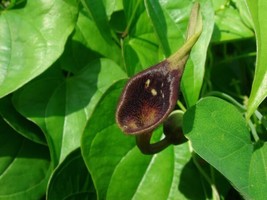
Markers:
point(229, 24)
point(30, 40)
point(219, 134)
point(65, 110)
point(259, 86)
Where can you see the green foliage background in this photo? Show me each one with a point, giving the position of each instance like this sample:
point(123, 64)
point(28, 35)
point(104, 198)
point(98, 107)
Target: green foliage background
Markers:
point(63, 65)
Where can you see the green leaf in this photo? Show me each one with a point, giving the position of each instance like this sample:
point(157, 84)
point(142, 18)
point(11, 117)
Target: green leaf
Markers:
point(140, 47)
point(170, 20)
point(244, 13)
point(65, 111)
point(140, 52)
point(63, 66)
point(111, 6)
point(257, 172)
point(83, 34)
point(24, 166)
point(177, 177)
point(97, 10)
point(259, 86)
point(33, 107)
point(219, 134)
point(229, 25)
point(101, 169)
point(111, 157)
point(23, 126)
point(118, 21)
point(132, 9)
point(144, 181)
point(71, 180)
point(193, 76)
point(30, 41)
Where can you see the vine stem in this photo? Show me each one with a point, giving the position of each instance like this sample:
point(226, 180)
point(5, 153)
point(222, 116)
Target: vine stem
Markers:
point(228, 98)
point(180, 104)
point(253, 131)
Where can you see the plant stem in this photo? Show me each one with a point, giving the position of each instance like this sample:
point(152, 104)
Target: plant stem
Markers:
point(253, 131)
point(232, 58)
point(228, 98)
point(181, 106)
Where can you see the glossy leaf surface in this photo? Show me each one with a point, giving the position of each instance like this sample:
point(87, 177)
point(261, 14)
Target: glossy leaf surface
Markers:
point(259, 87)
point(30, 41)
point(71, 102)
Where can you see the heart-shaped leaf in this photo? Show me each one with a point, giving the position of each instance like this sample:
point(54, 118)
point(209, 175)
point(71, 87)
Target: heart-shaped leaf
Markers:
point(219, 134)
point(30, 40)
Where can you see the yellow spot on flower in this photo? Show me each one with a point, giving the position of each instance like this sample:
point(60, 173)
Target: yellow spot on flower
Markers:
point(147, 83)
point(154, 92)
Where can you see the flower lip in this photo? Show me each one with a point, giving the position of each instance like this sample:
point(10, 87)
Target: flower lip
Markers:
point(148, 98)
